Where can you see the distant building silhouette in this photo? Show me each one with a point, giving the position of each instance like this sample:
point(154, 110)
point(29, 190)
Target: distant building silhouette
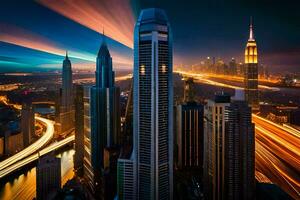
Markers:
point(67, 85)
point(27, 123)
point(65, 118)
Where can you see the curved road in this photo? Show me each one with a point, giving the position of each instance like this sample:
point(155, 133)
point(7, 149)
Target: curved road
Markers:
point(33, 147)
point(35, 156)
point(277, 151)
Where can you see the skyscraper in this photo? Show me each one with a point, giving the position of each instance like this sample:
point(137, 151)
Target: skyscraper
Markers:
point(190, 135)
point(149, 171)
point(104, 113)
point(88, 172)
point(229, 165)
point(153, 105)
point(48, 177)
point(214, 133)
point(79, 129)
point(251, 72)
point(27, 123)
point(67, 84)
point(66, 115)
point(239, 159)
point(189, 131)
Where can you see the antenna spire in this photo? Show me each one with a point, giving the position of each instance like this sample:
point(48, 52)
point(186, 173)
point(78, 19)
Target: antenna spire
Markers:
point(251, 35)
point(103, 36)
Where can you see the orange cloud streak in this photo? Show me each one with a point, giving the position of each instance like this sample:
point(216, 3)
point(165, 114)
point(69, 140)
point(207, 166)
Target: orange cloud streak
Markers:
point(115, 16)
point(14, 35)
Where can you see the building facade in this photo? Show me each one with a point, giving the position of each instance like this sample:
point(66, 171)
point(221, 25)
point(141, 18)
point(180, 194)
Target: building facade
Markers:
point(126, 179)
point(67, 85)
point(214, 133)
point(88, 172)
point(229, 164)
point(189, 136)
point(65, 120)
point(251, 72)
point(151, 175)
point(48, 177)
point(239, 160)
point(103, 131)
point(153, 105)
point(79, 129)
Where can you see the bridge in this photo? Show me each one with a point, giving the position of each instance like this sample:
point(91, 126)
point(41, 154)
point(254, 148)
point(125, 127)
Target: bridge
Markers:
point(32, 152)
point(43, 102)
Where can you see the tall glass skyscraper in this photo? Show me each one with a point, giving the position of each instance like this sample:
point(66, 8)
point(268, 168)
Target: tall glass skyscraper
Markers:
point(153, 105)
point(251, 72)
point(151, 175)
point(105, 115)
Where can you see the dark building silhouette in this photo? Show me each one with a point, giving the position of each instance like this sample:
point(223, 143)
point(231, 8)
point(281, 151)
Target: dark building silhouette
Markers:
point(190, 135)
point(27, 123)
point(79, 129)
point(48, 177)
point(239, 160)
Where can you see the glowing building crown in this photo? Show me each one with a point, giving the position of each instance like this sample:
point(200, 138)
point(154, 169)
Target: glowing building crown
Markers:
point(251, 48)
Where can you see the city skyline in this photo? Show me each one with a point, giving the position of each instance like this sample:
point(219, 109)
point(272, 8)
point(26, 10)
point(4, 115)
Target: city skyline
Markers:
point(137, 122)
point(212, 31)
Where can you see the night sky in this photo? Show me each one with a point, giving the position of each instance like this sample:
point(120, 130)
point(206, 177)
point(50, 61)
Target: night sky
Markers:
point(34, 35)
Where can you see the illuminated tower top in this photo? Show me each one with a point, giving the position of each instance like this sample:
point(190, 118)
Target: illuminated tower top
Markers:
point(251, 48)
point(105, 76)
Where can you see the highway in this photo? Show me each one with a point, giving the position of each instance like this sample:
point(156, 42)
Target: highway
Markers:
point(201, 78)
point(277, 147)
point(33, 147)
point(23, 184)
point(277, 151)
point(35, 156)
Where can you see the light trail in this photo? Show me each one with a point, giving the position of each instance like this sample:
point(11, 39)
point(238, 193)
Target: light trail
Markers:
point(115, 16)
point(33, 147)
point(92, 80)
point(21, 37)
point(238, 78)
point(123, 78)
point(35, 156)
point(24, 38)
point(5, 101)
point(278, 154)
point(202, 78)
